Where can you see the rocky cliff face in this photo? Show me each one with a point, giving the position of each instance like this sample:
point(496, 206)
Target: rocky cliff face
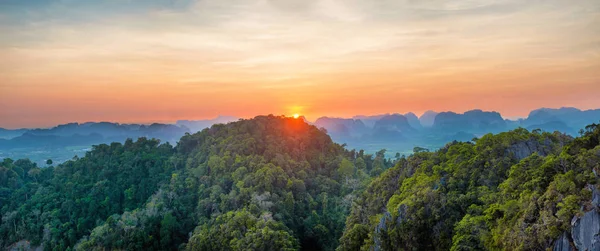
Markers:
point(380, 228)
point(585, 231)
point(523, 149)
point(563, 243)
point(386, 220)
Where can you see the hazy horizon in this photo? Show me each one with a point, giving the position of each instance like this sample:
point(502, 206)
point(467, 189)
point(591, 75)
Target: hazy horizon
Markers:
point(309, 119)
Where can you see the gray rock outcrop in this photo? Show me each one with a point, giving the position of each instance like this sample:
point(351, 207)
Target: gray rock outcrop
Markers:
point(523, 149)
point(595, 197)
point(380, 228)
point(586, 231)
point(562, 243)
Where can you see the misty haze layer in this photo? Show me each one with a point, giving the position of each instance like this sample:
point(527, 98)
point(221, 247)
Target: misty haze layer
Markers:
point(397, 133)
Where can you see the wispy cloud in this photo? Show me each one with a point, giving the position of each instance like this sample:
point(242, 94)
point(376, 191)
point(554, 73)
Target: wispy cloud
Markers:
point(294, 47)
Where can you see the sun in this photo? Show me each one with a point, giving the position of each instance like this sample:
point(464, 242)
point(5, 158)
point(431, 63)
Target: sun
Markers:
point(296, 115)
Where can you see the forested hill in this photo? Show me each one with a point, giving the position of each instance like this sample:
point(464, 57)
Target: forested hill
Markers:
point(277, 183)
point(512, 191)
point(268, 183)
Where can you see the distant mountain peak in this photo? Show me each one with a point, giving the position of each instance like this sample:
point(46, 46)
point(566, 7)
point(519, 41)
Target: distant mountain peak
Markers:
point(341, 127)
point(413, 120)
point(473, 120)
point(394, 122)
point(427, 118)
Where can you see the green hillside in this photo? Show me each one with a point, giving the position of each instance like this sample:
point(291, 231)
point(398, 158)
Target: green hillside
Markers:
point(277, 183)
point(269, 183)
point(517, 190)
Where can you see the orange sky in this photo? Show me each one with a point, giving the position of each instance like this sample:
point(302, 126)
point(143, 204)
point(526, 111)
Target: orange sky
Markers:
point(160, 61)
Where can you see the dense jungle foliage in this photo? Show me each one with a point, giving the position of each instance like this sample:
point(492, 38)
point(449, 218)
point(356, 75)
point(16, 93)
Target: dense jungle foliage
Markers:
point(516, 190)
point(269, 183)
point(277, 183)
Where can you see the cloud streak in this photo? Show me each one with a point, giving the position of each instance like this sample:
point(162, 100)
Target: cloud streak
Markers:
point(300, 53)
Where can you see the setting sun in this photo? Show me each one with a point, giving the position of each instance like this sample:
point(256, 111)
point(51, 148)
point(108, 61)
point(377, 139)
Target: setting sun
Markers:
point(299, 124)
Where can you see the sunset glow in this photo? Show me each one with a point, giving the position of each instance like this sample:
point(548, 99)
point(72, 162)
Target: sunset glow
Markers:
point(160, 61)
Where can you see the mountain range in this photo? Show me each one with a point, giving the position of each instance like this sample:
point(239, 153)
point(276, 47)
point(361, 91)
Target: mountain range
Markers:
point(402, 132)
point(393, 131)
point(62, 142)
